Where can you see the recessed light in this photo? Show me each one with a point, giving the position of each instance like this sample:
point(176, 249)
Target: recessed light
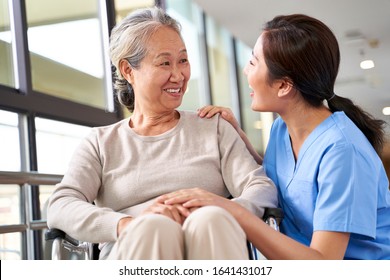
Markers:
point(367, 64)
point(386, 111)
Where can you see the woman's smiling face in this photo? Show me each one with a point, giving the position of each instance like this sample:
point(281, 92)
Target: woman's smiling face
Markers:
point(161, 81)
point(264, 94)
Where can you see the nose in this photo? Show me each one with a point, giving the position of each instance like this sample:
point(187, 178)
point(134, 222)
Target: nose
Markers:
point(177, 74)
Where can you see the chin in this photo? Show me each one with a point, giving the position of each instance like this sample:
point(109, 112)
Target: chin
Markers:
point(254, 107)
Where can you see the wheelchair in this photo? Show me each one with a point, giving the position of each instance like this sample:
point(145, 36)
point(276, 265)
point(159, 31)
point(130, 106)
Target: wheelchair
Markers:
point(60, 240)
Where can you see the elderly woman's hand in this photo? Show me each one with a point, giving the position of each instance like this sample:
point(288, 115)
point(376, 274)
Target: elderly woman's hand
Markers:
point(195, 198)
point(176, 212)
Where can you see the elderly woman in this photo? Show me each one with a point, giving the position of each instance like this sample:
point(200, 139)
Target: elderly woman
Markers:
point(124, 167)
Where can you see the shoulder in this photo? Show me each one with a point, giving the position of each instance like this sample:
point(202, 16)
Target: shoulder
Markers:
point(278, 132)
point(108, 132)
point(209, 126)
point(347, 133)
point(112, 128)
point(122, 124)
point(191, 118)
point(345, 137)
point(278, 126)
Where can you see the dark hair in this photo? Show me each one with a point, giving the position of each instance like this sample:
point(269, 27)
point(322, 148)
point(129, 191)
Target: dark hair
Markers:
point(304, 50)
point(128, 41)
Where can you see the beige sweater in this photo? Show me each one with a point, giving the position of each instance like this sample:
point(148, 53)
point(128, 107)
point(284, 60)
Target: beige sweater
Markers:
point(121, 172)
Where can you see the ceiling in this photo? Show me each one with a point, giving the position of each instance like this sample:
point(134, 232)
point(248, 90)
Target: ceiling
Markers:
point(361, 26)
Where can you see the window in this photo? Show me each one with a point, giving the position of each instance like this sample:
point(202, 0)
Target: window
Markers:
point(10, 246)
point(56, 142)
point(9, 142)
point(6, 65)
point(66, 53)
point(10, 209)
point(221, 64)
point(47, 106)
point(256, 125)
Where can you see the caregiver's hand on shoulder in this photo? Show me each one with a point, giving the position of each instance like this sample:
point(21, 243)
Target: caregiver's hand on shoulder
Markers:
point(226, 113)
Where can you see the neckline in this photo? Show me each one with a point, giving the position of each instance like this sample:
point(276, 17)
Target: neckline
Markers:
point(166, 134)
point(312, 137)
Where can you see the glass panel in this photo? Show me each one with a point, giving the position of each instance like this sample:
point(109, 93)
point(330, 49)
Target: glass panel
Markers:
point(256, 125)
point(10, 204)
point(9, 142)
point(189, 16)
point(10, 246)
point(44, 195)
point(56, 142)
point(220, 57)
point(10, 243)
point(250, 120)
point(124, 7)
point(65, 45)
point(6, 65)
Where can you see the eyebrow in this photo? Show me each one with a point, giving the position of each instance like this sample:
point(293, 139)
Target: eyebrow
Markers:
point(253, 54)
point(168, 54)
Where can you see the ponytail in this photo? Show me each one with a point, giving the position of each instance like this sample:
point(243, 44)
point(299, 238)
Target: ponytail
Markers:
point(372, 128)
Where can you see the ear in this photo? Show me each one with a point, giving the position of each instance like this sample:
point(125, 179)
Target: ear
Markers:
point(286, 88)
point(126, 70)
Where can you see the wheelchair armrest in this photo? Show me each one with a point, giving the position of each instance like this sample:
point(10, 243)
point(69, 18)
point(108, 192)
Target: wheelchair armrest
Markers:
point(53, 233)
point(276, 213)
point(63, 241)
point(273, 217)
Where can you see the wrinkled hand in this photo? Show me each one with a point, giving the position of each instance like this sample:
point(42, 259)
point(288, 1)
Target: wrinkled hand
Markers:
point(175, 211)
point(194, 198)
point(210, 110)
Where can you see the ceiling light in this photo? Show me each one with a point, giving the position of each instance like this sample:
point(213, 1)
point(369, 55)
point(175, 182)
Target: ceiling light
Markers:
point(367, 64)
point(386, 111)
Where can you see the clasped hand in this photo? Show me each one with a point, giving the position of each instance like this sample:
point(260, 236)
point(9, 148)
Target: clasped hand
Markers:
point(180, 204)
point(191, 199)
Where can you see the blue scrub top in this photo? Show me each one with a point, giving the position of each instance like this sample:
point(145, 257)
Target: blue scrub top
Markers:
point(338, 183)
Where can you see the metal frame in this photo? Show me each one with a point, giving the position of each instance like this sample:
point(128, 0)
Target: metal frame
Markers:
point(30, 225)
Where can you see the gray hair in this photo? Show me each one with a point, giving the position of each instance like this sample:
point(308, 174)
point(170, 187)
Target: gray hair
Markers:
point(128, 41)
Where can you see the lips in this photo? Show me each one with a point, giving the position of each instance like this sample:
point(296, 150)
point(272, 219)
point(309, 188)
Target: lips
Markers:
point(251, 92)
point(173, 91)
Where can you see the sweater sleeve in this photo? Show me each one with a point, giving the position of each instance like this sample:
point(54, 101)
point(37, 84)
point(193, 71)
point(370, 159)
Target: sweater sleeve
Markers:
point(244, 178)
point(71, 207)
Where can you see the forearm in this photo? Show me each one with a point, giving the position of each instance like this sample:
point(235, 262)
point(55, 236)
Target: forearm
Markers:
point(273, 244)
point(260, 195)
point(82, 220)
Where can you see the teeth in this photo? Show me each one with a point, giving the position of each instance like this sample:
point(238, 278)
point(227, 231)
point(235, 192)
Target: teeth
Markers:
point(171, 90)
